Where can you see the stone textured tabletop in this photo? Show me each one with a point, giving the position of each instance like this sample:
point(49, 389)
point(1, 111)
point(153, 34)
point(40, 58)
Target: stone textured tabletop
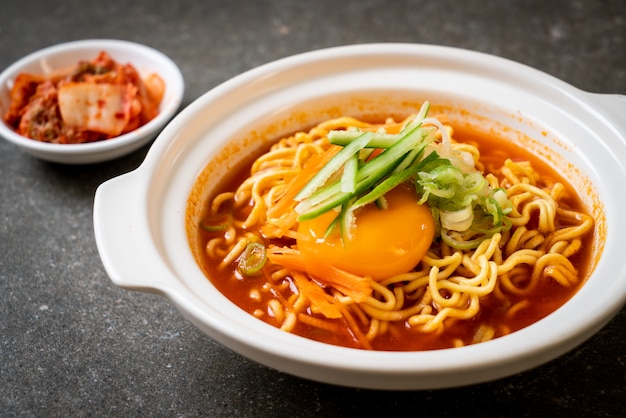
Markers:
point(72, 344)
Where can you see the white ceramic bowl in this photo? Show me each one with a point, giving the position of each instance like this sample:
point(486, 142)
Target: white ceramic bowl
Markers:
point(145, 59)
point(140, 217)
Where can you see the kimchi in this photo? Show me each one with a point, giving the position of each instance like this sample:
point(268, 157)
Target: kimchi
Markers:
point(92, 101)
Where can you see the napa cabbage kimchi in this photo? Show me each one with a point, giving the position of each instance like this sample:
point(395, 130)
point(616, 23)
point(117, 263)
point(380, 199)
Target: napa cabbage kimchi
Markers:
point(92, 101)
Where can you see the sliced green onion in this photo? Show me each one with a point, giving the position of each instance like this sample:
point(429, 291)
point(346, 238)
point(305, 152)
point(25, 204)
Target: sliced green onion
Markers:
point(474, 183)
point(252, 259)
point(421, 115)
point(461, 244)
point(379, 140)
point(376, 168)
point(502, 199)
point(346, 221)
point(410, 158)
point(381, 203)
point(331, 226)
point(221, 222)
point(334, 165)
point(365, 153)
point(458, 220)
point(348, 179)
point(385, 186)
point(371, 172)
point(465, 208)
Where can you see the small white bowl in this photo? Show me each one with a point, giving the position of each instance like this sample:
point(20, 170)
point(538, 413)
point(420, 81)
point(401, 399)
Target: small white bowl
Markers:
point(140, 217)
point(145, 59)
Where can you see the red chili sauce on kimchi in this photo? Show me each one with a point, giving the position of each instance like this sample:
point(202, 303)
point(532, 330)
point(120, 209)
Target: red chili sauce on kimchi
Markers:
point(91, 101)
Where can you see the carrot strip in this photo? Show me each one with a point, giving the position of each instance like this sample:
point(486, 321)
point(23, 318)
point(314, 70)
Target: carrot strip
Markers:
point(375, 153)
point(316, 295)
point(356, 331)
point(325, 301)
point(357, 287)
point(290, 259)
point(329, 307)
point(327, 304)
point(316, 162)
point(349, 284)
point(279, 227)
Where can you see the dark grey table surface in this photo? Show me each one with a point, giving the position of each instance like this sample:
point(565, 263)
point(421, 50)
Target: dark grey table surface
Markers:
point(72, 344)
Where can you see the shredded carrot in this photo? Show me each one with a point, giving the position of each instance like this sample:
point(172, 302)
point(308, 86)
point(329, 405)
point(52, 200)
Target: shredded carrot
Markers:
point(326, 304)
point(314, 165)
point(286, 204)
point(330, 308)
point(279, 227)
point(356, 331)
point(287, 258)
point(323, 302)
point(356, 287)
point(375, 153)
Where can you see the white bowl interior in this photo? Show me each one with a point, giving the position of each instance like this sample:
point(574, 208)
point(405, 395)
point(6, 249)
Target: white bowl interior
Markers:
point(145, 59)
point(257, 107)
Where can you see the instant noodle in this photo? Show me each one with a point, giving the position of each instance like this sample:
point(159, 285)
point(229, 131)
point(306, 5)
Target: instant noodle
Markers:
point(405, 235)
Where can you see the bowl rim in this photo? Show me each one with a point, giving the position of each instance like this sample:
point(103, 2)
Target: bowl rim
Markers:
point(188, 302)
point(175, 87)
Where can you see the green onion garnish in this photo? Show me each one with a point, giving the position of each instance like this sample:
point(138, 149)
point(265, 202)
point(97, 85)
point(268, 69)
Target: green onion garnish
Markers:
point(351, 180)
point(252, 259)
point(217, 223)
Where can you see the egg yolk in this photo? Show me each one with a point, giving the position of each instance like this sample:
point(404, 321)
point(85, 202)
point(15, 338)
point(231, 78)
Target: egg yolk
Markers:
point(383, 242)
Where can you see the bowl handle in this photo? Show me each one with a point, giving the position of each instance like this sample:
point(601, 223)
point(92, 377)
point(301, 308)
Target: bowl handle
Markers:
point(122, 234)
